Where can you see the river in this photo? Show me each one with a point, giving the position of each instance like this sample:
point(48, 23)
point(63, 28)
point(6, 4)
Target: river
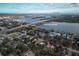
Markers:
point(62, 26)
point(59, 26)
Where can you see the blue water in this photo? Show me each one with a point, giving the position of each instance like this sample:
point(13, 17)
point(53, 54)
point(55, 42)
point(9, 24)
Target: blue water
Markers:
point(29, 20)
point(62, 26)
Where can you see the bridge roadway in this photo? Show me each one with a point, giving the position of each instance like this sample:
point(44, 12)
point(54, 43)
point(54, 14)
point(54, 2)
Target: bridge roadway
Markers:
point(27, 25)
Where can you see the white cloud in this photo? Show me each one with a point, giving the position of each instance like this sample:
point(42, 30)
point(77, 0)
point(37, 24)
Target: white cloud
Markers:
point(44, 11)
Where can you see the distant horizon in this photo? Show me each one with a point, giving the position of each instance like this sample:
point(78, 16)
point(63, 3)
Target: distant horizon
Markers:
point(39, 14)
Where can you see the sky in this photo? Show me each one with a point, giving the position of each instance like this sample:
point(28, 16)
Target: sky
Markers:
point(39, 8)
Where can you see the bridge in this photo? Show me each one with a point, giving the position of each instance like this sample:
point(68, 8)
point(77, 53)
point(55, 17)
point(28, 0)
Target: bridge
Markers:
point(27, 25)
